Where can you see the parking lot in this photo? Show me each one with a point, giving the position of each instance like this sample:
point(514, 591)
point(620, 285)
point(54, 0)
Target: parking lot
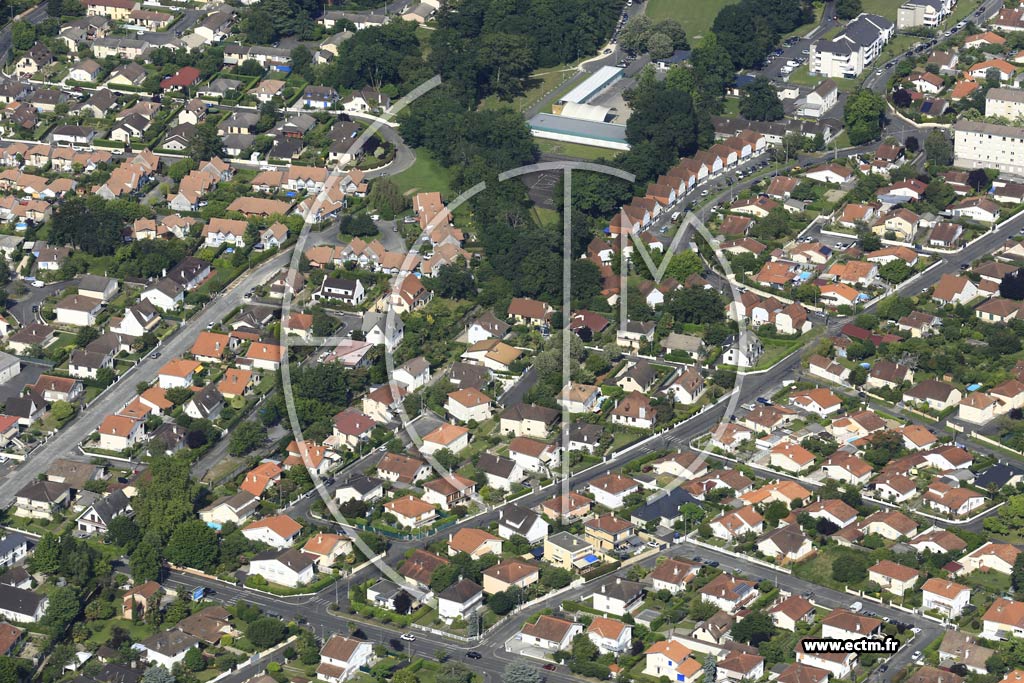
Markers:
point(541, 186)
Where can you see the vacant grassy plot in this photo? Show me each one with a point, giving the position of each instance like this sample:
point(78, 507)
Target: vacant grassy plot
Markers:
point(801, 76)
point(696, 17)
point(425, 175)
point(541, 84)
point(571, 149)
point(885, 8)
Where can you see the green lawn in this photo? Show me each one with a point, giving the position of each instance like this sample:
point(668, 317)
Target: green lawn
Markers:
point(896, 46)
point(425, 175)
point(571, 149)
point(886, 8)
point(961, 10)
point(547, 217)
point(101, 630)
point(696, 17)
point(541, 84)
point(993, 582)
point(817, 570)
point(801, 76)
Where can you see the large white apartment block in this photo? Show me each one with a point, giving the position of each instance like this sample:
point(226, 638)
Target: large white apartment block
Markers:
point(850, 52)
point(1005, 102)
point(988, 145)
point(923, 13)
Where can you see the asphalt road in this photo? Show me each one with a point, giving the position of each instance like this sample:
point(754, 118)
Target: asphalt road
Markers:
point(515, 393)
point(21, 308)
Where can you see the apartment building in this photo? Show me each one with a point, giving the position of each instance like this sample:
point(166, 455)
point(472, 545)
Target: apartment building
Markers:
point(988, 145)
point(850, 52)
point(929, 13)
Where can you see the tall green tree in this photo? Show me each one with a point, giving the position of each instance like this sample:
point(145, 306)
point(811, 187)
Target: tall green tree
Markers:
point(193, 544)
point(63, 608)
point(247, 437)
point(521, 672)
point(863, 116)
point(847, 9)
point(938, 148)
point(145, 562)
point(45, 557)
point(760, 102)
point(206, 143)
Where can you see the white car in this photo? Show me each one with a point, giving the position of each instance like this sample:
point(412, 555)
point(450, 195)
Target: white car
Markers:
point(916, 656)
point(408, 637)
point(38, 284)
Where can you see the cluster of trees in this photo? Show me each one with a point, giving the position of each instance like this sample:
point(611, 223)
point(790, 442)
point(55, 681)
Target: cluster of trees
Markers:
point(247, 437)
point(387, 198)
point(490, 47)
point(58, 9)
point(939, 149)
point(358, 225)
point(760, 102)
point(660, 39)
point(148, 258)
point(378, 56)
point(1009, 519)
point(863, 116)
point(749, 30)
point(268, 21)
point(475, 144)
point(320, 392)
point(92, 223)
point(754, 629)
point(848, 9)
point(1012, 286)
point(662, 127)
point(461, 566)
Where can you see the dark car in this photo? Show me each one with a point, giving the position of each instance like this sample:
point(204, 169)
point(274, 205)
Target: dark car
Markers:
point(713, 563)
point(697, 558)
point(473, 654)
point(549, 667)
